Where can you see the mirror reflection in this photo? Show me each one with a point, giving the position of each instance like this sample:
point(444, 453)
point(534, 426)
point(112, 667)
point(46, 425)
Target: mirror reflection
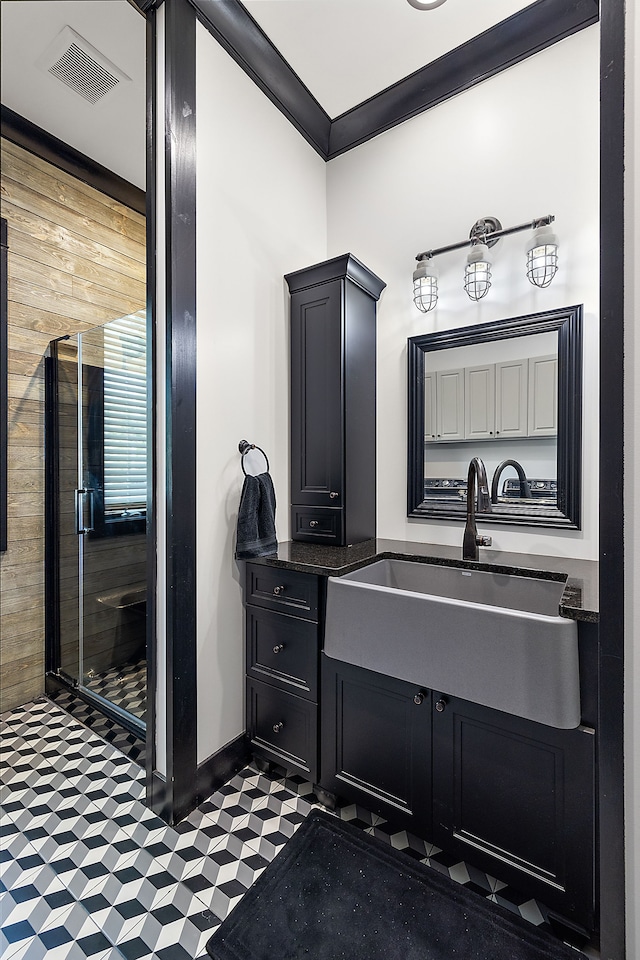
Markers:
point(498, 401)
point(509, 393)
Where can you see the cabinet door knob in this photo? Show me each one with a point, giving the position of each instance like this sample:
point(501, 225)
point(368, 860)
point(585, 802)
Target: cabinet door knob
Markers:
point(278, 590)
point(277, 727)
point(441, 705)
point(279, 647)
point(418, 698)
point(313, 523)
point(333, 495)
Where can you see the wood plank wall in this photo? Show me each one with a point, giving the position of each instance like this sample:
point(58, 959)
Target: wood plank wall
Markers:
point(76, 260)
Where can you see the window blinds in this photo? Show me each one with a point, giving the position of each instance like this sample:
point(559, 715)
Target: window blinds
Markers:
point(125, 415)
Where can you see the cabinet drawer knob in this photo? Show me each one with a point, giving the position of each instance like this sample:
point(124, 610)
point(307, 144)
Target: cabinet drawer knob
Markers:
point(277, 727)
point(441, 705)
point(313, 523)
point(279, 647)
point(418, 698)
point(333, 495)
point(278, 590)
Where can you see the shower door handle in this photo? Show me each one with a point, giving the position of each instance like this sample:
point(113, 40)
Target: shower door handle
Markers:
point(81, 493)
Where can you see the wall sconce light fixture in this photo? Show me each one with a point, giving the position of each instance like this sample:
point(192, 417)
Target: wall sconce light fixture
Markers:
point(542, 260)
point(542, 256)
point(425, 285)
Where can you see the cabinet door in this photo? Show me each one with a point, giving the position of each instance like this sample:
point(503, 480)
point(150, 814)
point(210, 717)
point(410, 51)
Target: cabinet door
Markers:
point(543, 396)
point(430, 423)
point(517, 798)
point(512, 378)
point(450, 404)
point(316, 396)
point(479, 402)
point(376, 743)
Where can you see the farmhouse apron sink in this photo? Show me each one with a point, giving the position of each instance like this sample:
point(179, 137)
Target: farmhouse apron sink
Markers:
point(492, 638)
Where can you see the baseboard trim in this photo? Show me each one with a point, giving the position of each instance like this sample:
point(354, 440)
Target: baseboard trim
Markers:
point(221, 766)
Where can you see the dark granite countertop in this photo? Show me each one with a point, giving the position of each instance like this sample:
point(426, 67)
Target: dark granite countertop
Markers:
point(579, 600)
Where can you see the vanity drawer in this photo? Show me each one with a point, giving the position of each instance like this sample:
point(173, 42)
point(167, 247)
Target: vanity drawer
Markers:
point(318, 524)
point(283, 650)
point(282, 727)
point(283, 590)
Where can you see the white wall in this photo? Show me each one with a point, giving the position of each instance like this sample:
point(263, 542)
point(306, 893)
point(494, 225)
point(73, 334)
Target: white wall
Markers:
point(261, 195)
point(518, 146)
point(632, 481)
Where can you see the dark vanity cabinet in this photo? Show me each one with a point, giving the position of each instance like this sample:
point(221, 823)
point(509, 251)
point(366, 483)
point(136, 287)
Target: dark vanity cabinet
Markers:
point(376, 743)
point(510, 796)
point(333, 401)
point(281, 612)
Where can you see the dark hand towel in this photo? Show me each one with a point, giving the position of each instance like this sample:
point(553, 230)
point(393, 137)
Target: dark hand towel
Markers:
point(256, 535)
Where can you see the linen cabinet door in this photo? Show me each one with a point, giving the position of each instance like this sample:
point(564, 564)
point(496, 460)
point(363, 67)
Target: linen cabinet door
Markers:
point(316, 396)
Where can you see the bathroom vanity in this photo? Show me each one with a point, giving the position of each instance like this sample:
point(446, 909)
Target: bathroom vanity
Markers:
point(509, 794)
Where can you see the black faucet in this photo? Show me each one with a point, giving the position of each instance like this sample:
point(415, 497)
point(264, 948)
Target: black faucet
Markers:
point(525, 489)
point(471, 541)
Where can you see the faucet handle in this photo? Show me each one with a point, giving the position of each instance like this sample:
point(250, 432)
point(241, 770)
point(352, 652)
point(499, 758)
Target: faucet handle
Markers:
point(483, 541)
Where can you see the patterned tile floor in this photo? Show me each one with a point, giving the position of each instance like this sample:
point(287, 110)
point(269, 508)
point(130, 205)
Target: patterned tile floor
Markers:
point(124, 686)
point(88, 871)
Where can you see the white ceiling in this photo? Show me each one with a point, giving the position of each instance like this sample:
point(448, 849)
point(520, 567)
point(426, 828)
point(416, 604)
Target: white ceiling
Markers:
point(112, 131)
point(345, 51)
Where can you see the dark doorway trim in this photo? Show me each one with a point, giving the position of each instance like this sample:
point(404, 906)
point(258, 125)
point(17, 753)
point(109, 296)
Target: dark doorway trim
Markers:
point(30, 137)
point(514, 39)
point(152, 422)
point(611, 657)
point(180, 349)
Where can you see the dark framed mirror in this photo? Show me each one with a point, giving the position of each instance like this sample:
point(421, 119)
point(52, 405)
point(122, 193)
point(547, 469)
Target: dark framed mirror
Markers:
point(509, 392)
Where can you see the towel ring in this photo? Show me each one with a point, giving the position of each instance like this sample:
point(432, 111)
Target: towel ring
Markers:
point(244, 447)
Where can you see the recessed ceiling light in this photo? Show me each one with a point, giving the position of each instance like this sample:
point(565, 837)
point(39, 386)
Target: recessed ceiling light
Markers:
point(426, 4)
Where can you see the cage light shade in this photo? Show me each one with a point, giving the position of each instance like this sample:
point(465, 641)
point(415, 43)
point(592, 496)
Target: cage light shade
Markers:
point(477, 273)
point(542, 257)
point(425, 286)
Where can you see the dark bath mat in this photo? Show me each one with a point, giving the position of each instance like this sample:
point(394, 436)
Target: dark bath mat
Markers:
point(335, 892)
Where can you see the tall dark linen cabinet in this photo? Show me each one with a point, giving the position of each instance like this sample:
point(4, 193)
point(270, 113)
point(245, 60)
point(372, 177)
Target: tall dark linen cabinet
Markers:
point(333, 401)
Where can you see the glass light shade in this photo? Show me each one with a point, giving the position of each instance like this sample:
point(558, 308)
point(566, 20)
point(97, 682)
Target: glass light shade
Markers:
point(477, 273)
point(425, 286)
point(542, 257)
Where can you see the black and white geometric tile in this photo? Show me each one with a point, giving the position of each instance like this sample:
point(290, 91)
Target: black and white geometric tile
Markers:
point(124, 686)
point(87, 870)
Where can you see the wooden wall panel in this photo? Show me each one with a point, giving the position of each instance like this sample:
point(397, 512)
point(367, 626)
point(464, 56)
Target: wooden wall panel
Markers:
point(76, 260)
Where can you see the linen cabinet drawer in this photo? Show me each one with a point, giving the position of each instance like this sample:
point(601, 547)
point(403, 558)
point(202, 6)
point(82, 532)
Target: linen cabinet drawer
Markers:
point(283, 590)
point(283, 650)
point(282, 727)
point(318, 524)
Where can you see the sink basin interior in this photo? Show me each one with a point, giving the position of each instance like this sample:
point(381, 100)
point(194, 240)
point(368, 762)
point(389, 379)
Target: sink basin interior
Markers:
point(528, 594)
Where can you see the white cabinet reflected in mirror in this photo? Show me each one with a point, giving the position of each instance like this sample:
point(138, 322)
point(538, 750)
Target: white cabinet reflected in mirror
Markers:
point(510, 393)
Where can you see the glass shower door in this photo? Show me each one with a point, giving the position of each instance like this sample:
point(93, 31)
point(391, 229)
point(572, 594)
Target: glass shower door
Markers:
point(111, 513)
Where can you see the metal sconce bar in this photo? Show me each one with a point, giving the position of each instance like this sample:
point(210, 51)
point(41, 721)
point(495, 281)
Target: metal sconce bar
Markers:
point(490, 237)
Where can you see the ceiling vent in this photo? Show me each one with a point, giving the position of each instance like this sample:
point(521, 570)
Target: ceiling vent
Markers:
point(80, 66)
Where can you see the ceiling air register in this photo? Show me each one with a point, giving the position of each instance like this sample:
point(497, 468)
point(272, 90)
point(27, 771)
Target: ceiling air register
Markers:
point(78, 64)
